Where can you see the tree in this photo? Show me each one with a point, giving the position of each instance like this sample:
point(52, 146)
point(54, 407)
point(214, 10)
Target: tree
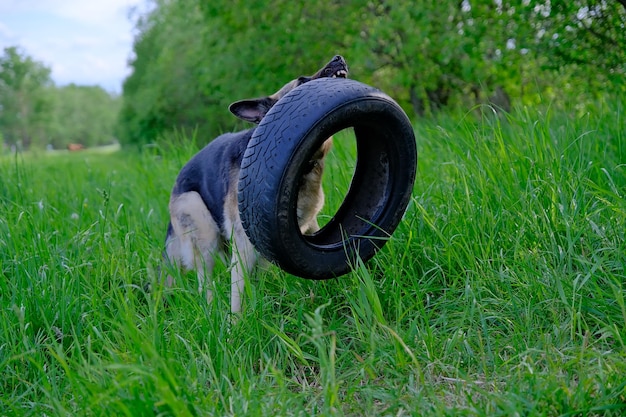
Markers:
point(82, 114)
point(587, 33)
point(193, 58)
point(25, 101)
point(167, 88)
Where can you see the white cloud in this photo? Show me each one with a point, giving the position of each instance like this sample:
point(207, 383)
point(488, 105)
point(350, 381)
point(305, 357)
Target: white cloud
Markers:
point(83, 42)
point(5, 32)
point(96, 12)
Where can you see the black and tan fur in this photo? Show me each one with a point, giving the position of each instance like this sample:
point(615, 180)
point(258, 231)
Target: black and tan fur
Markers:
point(204, 213)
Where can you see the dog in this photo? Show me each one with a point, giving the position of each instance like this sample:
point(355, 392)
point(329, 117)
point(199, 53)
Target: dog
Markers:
point(204, 214)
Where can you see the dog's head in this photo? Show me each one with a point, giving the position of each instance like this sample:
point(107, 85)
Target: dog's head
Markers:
point(253, 110)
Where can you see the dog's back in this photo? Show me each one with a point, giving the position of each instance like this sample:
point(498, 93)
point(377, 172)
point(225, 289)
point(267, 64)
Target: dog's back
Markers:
point(209, 172)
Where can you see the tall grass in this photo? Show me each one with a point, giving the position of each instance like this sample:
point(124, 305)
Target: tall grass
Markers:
point(501, 293)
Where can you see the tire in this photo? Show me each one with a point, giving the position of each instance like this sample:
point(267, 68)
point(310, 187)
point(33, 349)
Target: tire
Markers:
point(277, 156)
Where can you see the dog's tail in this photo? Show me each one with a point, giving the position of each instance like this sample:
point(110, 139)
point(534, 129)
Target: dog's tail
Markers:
point(164, 256)
point(147, 286)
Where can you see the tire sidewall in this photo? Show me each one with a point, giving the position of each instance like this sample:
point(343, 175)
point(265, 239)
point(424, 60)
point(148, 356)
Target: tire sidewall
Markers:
point(290, 137)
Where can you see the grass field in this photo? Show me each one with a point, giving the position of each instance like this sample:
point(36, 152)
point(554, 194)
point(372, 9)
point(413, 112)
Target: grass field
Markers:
point(502, 293)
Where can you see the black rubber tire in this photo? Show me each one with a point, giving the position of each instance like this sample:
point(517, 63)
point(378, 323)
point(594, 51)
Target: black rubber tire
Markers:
point(278, 155)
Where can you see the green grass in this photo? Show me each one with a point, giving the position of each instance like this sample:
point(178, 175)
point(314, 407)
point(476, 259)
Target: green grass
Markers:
point(501, 293)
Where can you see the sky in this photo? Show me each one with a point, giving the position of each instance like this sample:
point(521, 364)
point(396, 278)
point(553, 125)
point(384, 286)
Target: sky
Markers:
point(85, 42)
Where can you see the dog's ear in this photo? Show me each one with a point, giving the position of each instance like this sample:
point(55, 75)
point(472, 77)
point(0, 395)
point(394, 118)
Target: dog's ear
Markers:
point(252, 110)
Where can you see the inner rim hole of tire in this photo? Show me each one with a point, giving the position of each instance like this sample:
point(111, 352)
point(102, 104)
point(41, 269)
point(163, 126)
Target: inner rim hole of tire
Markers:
point(339, 167)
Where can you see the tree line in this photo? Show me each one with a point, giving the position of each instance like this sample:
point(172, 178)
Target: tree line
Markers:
point(192, 58)
point(34, 113)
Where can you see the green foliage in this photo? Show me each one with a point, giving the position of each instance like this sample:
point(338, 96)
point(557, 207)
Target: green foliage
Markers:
point(585, 33)
point(35, 113)
point(193, 58)
point(501, 293)
point(82, 114)
point(167, 88)
point(24, 98)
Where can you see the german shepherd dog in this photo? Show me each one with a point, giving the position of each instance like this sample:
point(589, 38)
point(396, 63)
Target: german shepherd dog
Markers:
point(204, 214)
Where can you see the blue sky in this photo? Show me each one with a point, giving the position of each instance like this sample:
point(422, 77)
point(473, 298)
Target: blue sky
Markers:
point(86, 42)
